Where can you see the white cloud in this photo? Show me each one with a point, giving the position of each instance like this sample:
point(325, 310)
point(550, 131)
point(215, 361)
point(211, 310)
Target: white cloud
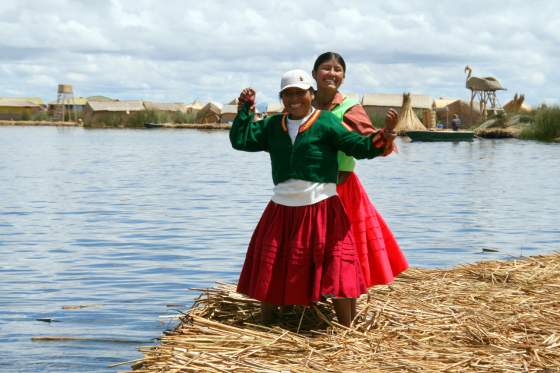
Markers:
point(40, 80)
point(182, 50)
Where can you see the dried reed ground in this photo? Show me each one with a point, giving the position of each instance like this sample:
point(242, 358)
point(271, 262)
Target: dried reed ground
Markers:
point(498, 316)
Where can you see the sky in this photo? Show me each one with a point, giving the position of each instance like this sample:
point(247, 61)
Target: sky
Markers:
point(180, 51)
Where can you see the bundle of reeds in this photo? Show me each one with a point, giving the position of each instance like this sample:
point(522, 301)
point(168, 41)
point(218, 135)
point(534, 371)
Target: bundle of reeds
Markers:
point(408, 121)
point(498, 316)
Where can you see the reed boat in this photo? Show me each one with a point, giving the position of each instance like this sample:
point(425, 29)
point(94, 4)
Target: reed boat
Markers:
point(441, 135)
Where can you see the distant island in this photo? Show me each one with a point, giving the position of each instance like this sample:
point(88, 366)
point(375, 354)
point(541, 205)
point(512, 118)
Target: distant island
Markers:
point(516, 119)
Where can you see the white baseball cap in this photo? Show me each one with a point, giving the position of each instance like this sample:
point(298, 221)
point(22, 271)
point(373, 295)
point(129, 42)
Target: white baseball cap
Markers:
point(295, 78)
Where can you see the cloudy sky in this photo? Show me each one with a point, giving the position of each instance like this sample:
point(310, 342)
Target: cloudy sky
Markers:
point(178, 51)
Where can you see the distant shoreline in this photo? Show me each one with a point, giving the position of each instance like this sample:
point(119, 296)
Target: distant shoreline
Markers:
point(39, 123)
point(489, 133)
point(220, 126)
point(217, 126)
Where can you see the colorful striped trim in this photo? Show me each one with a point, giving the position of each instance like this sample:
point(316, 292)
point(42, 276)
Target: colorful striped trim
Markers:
point(305, 126)
point(310, 121)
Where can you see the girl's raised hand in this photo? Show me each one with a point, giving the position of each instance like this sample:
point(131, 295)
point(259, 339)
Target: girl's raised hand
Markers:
point(391, 120)
point(247, 95)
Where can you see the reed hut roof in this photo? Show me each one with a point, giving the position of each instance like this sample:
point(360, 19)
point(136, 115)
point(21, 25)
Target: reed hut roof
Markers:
point(125, 105)
point(408, 121)
point(492, 316)
point(461, 105)
point(18, 103)
point(210, 113)
point(213, 107)
point(26, 100)
point(396, 100)
point(165, 106)
point(229, 109)
point(196, 105)
point(442, 102)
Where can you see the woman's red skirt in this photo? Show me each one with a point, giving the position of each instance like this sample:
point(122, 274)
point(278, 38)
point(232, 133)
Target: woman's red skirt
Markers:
point(380, 257)
point(298, 255)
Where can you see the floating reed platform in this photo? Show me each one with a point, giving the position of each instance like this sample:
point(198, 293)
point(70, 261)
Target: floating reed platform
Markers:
point(494, 316)
point(498, 133)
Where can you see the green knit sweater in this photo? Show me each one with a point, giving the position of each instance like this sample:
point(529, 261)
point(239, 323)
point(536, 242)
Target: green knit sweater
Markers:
point(312, 157)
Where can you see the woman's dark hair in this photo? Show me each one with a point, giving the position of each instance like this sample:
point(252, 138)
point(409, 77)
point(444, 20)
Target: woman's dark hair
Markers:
point(327, 56)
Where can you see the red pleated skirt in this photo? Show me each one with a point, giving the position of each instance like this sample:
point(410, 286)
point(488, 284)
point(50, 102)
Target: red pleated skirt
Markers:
point(299, 255)
point(380, 257)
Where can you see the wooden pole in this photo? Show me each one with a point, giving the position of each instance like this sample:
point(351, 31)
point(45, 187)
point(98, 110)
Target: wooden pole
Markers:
point(472, 99)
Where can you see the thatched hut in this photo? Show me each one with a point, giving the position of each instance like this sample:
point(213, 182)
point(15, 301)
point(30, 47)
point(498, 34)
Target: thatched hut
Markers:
point(20, 108)
point(194, 107)
point(228, 113)
point(440, 103)
point(408, 121)
point(377, 104)
point(110, 113)
point(73, 105)
point(210, 113)
point(463, 110)
point(447, 107)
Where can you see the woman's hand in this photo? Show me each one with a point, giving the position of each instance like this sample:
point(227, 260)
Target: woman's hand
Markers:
point(391, 120)
point(247, 95)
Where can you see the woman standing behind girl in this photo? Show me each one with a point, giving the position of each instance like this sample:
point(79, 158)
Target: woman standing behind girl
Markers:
point(380, 256)
point(302, 249)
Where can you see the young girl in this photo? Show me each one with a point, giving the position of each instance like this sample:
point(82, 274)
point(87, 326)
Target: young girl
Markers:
point(302, 249)
point(378, 251)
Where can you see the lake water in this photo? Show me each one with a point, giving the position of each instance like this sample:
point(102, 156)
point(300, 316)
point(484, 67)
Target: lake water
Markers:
point(127, 221)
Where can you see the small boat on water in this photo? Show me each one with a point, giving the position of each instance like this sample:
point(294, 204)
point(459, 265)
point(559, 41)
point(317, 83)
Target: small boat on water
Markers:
point(441, 135)
point(153, 125)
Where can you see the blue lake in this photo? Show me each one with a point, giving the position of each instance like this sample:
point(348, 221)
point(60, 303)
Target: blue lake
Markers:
point(128, 221)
